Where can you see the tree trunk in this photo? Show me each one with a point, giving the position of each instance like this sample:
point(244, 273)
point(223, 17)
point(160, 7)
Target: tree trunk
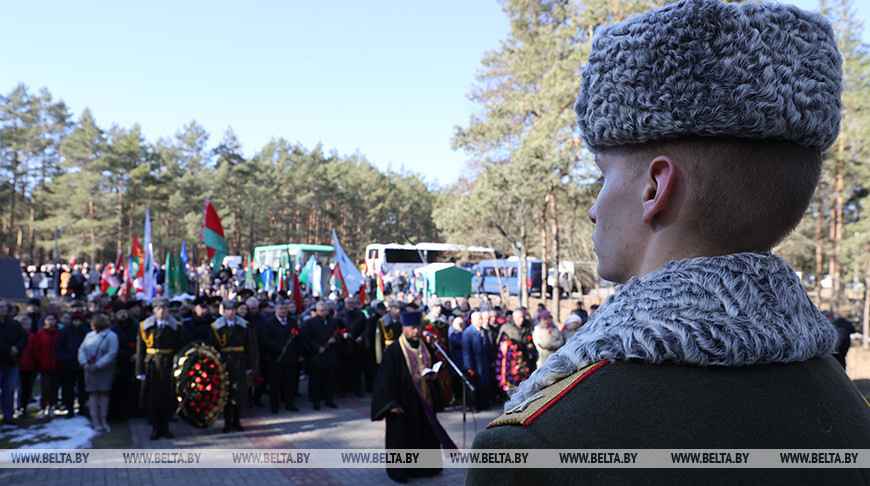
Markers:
point(819, 254)
point(832, 237)
point(544, 262)
point(524, 267)
point(554, 229)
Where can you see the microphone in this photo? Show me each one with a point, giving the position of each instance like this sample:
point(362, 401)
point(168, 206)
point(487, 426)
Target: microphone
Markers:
point(429, 334)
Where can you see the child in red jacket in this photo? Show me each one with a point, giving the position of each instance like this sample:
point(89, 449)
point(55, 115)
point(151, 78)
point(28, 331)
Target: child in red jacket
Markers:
point(49, 363)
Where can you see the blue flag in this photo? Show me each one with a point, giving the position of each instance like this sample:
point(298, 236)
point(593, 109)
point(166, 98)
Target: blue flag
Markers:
point(183, 254)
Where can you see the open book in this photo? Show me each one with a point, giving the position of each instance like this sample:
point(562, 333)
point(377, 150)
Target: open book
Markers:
point(433, 369)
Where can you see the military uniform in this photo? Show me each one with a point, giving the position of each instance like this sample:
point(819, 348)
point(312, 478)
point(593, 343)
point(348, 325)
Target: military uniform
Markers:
point(387, 331)
point(156, 346)
point(233, 340)
point(631, 405)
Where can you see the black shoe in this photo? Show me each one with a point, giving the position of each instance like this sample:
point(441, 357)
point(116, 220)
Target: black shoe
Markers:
point(359, 394)
point(316, 406)
point(259, 403)
point(168, 434)
point(238, 426)
point(331, 404)
point(249, 404)
point(228, 426)
point(155, 434)
point(10, 421)
point(291, 407)
point(274, 409)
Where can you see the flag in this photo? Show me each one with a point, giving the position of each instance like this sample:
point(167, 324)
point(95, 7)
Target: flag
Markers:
point(182, 255)
point(213, 236)
point(305, 273)
point(109, 282)
point(380, 285)
point(137, 258)
point(281, 285)
point(170, 280)
point(362, 296)
point(336, 281)
point(181, 270)
point(310, 274)
point(297, 293)
point(249, 273)
point(148, 275)
point(352, 277)
point(268, 276)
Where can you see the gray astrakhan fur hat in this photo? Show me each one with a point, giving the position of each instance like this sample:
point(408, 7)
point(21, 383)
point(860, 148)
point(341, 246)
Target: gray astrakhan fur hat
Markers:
point(706, 68)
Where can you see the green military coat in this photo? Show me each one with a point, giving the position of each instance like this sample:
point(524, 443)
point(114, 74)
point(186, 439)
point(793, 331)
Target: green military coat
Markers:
point(237, 353)
point(155, 357)
point(632, 405)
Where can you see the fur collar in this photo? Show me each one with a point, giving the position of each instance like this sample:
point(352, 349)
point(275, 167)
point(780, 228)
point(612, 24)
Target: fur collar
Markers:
point(221, 322)
point(735, 310)
point(152, 321)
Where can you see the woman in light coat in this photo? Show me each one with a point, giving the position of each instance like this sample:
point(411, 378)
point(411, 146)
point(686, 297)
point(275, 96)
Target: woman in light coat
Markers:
point(97, 357)
point(546, 337)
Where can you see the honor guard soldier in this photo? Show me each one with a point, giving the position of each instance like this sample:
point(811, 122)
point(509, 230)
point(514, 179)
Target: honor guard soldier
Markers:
point(160, 337)
point(388, 329)
point(708, 121)
point(233, 340)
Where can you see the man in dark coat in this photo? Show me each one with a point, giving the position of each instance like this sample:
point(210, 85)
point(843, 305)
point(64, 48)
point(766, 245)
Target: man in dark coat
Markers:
point(72, 376)
point(281, 348)
point(198, 327)
point(844, 328)
point(13, 339)
point(477, 355)
point(710, 342)
point(407, 394)
point(373, 321)
point(124, 399)
point(233, 341)
point(320, 336)
point(160, 338)
point(353, 321)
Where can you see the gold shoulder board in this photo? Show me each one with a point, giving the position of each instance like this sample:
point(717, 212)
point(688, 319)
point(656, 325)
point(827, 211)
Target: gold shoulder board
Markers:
point(531, 408)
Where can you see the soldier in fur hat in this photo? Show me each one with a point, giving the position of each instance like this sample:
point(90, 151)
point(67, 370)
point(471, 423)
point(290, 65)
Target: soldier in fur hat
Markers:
point(160, 337)
point(708, 121)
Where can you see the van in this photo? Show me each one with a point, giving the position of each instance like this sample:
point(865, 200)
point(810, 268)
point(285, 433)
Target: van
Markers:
point(485, 281)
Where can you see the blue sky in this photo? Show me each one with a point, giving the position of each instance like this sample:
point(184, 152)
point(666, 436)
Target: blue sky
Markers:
point(387, 79)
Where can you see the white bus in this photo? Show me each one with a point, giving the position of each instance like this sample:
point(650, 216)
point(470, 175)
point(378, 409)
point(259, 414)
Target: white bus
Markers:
point(393, 257)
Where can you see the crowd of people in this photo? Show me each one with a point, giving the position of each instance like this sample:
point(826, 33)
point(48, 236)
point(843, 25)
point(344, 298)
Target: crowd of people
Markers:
point(89, 351)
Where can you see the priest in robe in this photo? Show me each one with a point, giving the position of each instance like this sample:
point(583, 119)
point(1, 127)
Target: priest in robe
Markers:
point(408, 397)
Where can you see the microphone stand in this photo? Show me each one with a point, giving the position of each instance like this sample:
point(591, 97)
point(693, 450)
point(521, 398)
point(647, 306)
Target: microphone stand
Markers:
point(468, 385)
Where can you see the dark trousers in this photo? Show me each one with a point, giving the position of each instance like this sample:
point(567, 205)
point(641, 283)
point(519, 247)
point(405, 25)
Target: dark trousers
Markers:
point(283, 384)
point(27, 378)
point(351, 373)
point(125, 394)
point(260, 389)
point(74, 386)
point(369, 370)
point(50, 385)
point(320, 384)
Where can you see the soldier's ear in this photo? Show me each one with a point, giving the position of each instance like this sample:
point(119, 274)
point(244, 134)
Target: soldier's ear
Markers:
point(661, 187)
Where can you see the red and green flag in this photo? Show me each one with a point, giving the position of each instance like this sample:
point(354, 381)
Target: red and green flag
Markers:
point(109, 282)
point(213, 236)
